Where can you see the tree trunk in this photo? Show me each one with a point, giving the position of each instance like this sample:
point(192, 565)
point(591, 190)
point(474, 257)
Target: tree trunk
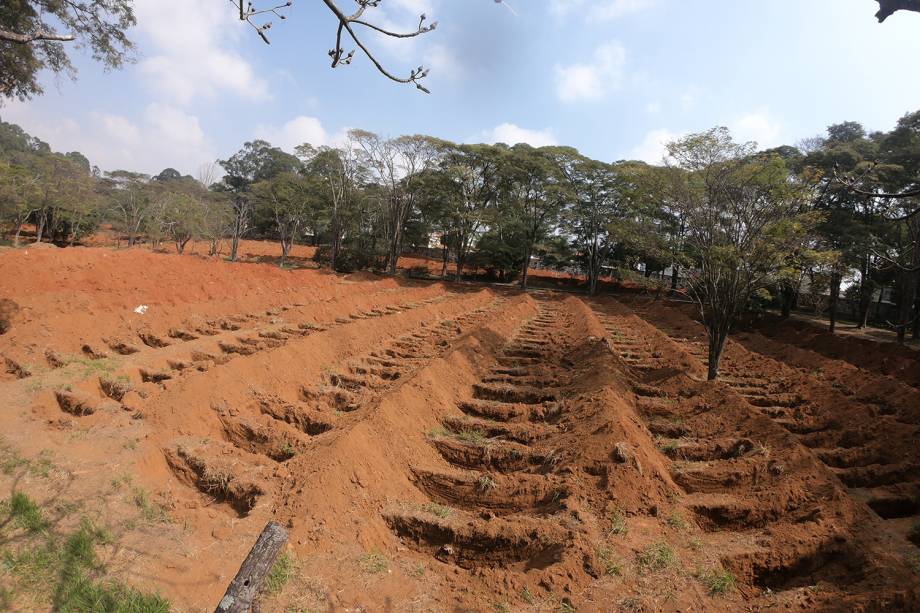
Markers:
point(834, 298)
point(525, 266)
point(788, 296)
point(675, 275)
point(16, 235)
point(40, 228)
point(718, 334)
point(246, 586)
point(444, 262)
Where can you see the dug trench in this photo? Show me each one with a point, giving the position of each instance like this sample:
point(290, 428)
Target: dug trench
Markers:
point(783, 471)
point(454, 448)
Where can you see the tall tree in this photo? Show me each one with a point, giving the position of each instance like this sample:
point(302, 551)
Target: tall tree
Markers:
point(34, 35)
point(741, 218)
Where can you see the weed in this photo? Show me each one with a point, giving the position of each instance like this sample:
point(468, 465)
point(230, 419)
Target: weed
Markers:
point(373, 562)
point(719, 582)
point(657, 556)
point(502, 607)
point(288, 451)
point(677, 521)
point(150, 512)
point(58, 571)
point(281, 573)
point(485, 484)
point(471, 436)
point(695, 544)
point(418, 570)
point(91, 366)
point(668, 445)
point(26, 513)
point(618, 524)
point(526, 596)
point(437, 509)
point(438, 432)
point(565, 607)
point(609, 562)
point(630, 603)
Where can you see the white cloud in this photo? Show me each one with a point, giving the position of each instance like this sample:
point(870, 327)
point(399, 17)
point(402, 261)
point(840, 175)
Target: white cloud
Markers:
point(599, 10)
point(653, 107)
point(302, 129)
point(757, 126)
point(577, 82)
point(653, 148)
point(189, 57)
point(164, 136)
point(442, 62)
point(512, 134)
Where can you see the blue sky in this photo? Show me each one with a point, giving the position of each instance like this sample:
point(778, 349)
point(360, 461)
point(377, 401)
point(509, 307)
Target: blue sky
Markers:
point(614, 78)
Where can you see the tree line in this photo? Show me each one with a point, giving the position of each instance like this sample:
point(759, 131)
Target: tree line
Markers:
point(736, 226)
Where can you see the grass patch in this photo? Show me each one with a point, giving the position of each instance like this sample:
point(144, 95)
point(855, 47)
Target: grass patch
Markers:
point(25, 513)
point(485, 484)
point(89, 367)
point(471, 436)
point(287, 450)
point(438, 510)
point(418, 570)
point(62, 572)
point(373, 562)
point(150, 512)
point(618, 524)
point(719, 582)
point(669, 445)
point(611, 565)
point(657, 556)
point(439, 432)
point(526, 596)
point(281, 573)
point(677, 521)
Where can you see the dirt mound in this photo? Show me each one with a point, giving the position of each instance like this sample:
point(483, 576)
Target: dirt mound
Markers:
point(431, 446)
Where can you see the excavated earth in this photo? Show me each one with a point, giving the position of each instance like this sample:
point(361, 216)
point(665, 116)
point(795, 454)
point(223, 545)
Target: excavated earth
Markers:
point(447, 447)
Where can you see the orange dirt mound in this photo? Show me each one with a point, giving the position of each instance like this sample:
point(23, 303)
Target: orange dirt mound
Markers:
point(432, 446)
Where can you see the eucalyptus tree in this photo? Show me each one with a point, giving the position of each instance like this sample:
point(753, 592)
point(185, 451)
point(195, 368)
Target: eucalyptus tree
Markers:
point(129, 195)
point(287, 200)
point(19, 192)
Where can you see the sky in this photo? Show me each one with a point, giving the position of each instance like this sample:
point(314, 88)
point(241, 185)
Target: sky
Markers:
point(616, 79)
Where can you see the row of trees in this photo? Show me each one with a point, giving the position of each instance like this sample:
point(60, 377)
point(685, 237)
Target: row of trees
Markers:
point(835, 214)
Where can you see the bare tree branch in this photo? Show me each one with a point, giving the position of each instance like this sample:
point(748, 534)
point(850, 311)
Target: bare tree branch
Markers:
point(37, 35)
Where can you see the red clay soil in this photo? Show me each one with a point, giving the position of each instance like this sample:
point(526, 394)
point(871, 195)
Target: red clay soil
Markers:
point(439, 447)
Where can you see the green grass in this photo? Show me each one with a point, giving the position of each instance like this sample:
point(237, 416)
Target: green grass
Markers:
point(485, 484)
point(288, 450)
point(611, 565)
point(89, 367)
point(281, 573)
point(618, 524)
point(668, 445)
point(526, 596)
point(657, 556)
point(373, 562)
point(471, 436)
point(437, 509)
point(677, 521)
point(438, 432)
point(719, 582)
point(150, 512)
point(418, 570)
point(26, 513)
point(62, 572)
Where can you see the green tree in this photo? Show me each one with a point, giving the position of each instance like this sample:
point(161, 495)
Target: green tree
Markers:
point(287, 200)
point(742, 218)
point(19, 193)
point(35, 34)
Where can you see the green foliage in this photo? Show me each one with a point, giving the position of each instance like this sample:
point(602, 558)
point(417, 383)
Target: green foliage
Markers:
point(437, 509)
point(719, 582)
point(657, 556)
point(99, 25)
point(281, 573)
point(64, 571)
point(26, 513)
point(373, 562)
point(618, 524)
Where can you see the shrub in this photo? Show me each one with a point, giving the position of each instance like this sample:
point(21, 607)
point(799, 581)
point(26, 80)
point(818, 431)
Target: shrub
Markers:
point(657, 556)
